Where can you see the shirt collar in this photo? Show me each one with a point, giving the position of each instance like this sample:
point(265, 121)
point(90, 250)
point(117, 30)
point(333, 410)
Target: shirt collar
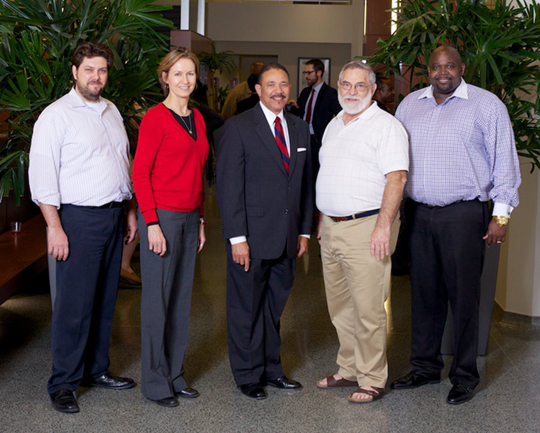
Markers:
point(270, 116)
point(460, 92)
point(318, 87)
point(76, 101)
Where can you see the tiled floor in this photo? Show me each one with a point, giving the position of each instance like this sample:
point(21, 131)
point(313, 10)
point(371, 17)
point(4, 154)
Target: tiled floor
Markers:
point(507, 399)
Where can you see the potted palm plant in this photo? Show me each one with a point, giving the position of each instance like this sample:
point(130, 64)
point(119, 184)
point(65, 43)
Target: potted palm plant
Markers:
point(500, 46)
point(38, 38)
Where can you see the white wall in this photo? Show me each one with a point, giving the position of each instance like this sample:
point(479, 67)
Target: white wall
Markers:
point(518, 286)
point(271, 22)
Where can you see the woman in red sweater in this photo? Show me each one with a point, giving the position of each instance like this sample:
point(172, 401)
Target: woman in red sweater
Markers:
point(168, 182)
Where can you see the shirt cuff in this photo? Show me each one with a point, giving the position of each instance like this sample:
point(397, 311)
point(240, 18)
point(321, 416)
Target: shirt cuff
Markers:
point(237, 240)
point(502, 209)
point(306, 236)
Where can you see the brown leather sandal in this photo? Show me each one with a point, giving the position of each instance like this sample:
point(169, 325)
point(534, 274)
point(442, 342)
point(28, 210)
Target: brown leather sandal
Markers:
point(376, 394)
point(332, 382)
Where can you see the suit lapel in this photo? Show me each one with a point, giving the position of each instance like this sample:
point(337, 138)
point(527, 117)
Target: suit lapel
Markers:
point(265, 134)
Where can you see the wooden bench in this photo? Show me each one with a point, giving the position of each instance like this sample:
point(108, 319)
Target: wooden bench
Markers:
point(22, 256)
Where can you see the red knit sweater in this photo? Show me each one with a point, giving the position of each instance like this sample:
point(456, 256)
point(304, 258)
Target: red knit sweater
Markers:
point(168, 166)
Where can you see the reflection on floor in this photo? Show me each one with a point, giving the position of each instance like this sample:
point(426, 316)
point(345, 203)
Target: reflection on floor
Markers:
point(507, 400)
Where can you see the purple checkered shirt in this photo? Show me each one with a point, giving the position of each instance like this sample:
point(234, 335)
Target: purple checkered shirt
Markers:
point(461, 149)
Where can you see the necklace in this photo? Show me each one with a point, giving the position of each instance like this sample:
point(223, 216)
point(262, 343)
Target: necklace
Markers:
point(184, 122)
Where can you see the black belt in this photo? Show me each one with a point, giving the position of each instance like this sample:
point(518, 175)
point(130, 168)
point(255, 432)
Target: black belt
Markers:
point(355, 216)
point(107, 205)
point(432, 206)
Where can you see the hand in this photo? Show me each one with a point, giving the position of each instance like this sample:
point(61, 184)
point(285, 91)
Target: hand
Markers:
point(301, 246)
point(380, 243)
point(131, 226)
point(156, 240)
point(202, 238)
point(292, 103)
point(495, 234)
point(240, 254)
point(318, 227)
point(58, 243)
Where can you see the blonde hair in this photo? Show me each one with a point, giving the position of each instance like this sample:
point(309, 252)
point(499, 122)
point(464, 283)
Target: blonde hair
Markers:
point(170, 59)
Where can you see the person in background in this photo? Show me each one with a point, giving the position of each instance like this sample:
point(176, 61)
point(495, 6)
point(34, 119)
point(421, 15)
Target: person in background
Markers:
point(385, 93)
point(240, 92)
point(251, 101)
point(317, 105)
point(168, 180)
point(79, 177)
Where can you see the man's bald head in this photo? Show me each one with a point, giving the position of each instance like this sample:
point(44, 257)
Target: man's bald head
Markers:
point(256, 67)
point(445, 71)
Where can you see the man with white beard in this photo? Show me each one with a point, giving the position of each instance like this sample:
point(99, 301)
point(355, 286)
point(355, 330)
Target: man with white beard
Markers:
point(364, 162)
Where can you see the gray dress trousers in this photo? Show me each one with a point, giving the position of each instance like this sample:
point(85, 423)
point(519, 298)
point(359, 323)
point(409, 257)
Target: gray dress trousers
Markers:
point(165, 302)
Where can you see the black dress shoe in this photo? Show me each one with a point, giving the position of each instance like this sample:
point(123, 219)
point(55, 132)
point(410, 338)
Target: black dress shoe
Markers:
point(167, 401)
point(187, 393)
point(64, 401)
point(253, 390)
point(284, 382)
point(459, 394)
point(413, 380)
point(111, 382)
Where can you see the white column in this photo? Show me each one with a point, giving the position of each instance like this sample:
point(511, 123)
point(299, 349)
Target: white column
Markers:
point(201, 17)
point(184, 15)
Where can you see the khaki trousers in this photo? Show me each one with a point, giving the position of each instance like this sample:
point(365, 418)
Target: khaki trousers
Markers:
point(357, 286)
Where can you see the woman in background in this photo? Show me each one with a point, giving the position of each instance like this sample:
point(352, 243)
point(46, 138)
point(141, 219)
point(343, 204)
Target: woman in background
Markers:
point(168, 181)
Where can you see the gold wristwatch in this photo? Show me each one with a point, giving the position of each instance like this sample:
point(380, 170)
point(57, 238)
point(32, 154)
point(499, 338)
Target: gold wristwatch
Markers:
point(501, 220)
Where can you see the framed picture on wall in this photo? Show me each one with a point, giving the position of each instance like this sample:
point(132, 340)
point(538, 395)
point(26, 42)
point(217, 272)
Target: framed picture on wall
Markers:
point(302, 66)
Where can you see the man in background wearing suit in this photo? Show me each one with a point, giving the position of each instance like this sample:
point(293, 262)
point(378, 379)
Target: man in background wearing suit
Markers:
point(266, 201)
point(317, 105)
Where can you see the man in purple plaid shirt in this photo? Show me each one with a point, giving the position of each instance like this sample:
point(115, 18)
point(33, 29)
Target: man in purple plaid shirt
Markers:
point(463, 155)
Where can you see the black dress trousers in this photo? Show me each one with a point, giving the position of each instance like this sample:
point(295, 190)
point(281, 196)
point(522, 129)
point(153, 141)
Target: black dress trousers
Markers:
point(447, 255)
point(255, 302)
point(87, 285)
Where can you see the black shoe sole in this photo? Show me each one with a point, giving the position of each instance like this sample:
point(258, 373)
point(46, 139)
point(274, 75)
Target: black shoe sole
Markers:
point(430, 382)
point(288, 389)
point(187, 395)
point(455, 403)
point(74, 410)
point(118, 388)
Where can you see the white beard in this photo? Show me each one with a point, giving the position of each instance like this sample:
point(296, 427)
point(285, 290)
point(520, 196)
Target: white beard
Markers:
point(359, 104)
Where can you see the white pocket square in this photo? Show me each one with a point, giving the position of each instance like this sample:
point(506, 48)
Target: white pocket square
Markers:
point(301, 149)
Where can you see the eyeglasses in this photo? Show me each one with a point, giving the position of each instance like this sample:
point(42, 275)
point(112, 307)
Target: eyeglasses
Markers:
point(360, 87)
point(307, 72)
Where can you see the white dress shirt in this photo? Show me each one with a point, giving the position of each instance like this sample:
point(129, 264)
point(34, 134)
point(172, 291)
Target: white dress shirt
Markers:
point(79, 154)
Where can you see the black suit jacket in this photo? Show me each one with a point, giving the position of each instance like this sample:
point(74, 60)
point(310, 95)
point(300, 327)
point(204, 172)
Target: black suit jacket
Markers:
point(256, 196)
point(326, 107)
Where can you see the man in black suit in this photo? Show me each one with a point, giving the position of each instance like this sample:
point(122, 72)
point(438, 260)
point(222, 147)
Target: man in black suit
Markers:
point(317, 105)
point(266, 201)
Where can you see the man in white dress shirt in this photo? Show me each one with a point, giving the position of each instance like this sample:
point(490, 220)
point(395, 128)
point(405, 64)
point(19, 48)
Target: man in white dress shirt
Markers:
point(79, 177)
point(364, 162)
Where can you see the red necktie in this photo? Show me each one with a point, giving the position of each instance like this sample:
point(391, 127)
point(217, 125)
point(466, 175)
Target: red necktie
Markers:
point(310, 104)
point(280, 140)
